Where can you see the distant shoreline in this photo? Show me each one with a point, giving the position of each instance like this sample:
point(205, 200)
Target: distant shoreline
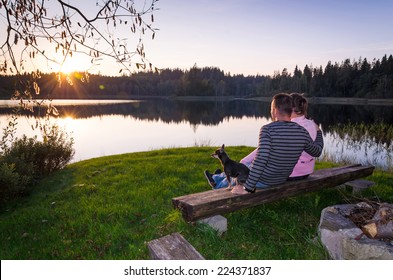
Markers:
point(340, 100)
point(312, 100)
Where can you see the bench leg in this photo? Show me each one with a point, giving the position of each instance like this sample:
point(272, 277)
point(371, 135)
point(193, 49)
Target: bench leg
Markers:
point(359, 185)
point(218, 222)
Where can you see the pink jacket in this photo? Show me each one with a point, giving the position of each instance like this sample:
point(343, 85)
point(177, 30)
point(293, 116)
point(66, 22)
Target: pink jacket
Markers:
point(306, 163)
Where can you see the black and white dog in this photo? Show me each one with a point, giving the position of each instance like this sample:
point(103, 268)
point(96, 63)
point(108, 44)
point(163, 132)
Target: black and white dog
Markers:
point(231, 168)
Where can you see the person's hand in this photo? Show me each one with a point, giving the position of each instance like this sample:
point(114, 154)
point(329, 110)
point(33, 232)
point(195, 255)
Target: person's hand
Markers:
point(238, 189)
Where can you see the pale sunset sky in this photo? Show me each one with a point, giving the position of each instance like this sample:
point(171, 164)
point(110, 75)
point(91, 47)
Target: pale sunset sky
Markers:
point(260, 36)
point(253, 37)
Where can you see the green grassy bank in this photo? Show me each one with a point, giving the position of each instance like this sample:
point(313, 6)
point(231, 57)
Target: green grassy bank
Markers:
point(110, 207)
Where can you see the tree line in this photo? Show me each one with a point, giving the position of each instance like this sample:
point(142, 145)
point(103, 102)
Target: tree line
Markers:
point(358, 78)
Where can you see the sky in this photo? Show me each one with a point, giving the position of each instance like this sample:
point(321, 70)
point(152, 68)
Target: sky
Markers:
point(253, 37)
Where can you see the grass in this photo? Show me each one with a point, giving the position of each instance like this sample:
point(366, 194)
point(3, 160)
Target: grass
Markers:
point(110, 207)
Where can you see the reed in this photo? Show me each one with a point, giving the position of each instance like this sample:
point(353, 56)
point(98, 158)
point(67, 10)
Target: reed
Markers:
point(379, 132)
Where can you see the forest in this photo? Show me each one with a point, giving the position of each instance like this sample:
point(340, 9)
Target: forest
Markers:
point(357, 78)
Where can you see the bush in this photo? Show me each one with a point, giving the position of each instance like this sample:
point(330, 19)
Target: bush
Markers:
point(27, 160)
point(11, 183)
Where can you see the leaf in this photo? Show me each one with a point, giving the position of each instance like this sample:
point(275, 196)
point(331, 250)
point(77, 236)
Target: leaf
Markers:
point(36, 88)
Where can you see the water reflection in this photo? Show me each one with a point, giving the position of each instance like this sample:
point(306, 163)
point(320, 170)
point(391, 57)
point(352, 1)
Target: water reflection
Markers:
point(207, 113)
point(360, 134)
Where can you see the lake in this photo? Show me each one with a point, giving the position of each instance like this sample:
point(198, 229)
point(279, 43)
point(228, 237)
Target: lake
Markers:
point(353, 133)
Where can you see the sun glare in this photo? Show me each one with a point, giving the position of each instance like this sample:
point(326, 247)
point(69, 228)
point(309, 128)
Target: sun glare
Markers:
point(67, 121)
point(70, 65)
point(75, 63)
point(67, 68)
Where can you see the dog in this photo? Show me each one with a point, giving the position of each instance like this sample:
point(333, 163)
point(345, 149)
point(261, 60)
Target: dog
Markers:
point(231, 168)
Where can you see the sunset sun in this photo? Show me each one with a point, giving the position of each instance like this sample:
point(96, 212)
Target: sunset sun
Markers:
point(70, 64)
point(67, 67)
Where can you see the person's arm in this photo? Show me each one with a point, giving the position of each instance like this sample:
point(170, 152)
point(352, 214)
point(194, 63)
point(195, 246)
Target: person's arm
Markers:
point(260, 160)
point(249, 158)
point(314, 148)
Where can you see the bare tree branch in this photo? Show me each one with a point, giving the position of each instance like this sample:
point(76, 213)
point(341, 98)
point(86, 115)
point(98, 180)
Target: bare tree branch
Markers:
point(70, 30)
point(37, 30)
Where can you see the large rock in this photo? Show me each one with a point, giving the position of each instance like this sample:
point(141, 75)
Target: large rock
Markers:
point(345, 241)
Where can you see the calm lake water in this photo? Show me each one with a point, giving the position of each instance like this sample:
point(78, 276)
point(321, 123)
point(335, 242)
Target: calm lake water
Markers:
point(354, 133)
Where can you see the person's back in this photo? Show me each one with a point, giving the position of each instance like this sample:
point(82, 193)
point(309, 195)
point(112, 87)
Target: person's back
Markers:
point(280, 146)
point(306, 163)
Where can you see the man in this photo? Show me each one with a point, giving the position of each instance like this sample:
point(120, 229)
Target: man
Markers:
point(280, 145)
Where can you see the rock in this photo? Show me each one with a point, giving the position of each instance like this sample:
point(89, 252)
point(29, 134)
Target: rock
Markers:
point(344, 240)
point(217, 222)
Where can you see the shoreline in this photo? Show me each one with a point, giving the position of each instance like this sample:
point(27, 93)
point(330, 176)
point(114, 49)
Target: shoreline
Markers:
point(338, 100)
point(312, 100)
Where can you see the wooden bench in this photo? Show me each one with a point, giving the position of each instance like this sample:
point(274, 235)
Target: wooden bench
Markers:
point(214, 202)
point(173, 247)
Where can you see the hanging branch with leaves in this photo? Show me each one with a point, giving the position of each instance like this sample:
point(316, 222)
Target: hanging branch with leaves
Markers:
point(36, 29)
point(54, 31)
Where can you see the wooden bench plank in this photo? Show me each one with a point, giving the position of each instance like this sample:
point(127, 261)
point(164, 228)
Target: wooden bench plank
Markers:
point(173, 247)
point(213, 202)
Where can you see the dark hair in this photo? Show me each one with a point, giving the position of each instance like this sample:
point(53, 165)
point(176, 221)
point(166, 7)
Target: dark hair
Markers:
point(299, 104)
point(283, 103)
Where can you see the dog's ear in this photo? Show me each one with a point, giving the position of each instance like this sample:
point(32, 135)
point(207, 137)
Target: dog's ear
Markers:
point(223, 146)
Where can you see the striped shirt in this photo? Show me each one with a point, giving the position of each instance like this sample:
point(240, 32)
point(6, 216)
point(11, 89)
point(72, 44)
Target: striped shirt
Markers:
point(280, 146)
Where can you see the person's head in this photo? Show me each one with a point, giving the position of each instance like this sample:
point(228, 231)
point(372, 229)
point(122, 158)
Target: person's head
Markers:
point(299, 104)
point(281, 107)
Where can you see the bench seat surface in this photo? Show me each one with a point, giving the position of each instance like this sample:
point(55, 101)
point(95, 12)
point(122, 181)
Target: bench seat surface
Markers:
point(214, 202)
